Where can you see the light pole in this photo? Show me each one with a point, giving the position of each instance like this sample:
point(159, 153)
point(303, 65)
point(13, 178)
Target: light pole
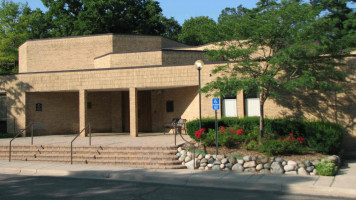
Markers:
point(199, 65)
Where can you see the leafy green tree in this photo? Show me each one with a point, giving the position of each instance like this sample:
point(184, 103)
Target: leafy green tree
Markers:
point(287, 49)
point(80, 17)
point(198, 31)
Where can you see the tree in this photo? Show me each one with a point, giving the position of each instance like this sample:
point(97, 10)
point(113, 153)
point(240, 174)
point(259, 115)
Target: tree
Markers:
point(287, 49)
point(198, 31)
point(79, 17)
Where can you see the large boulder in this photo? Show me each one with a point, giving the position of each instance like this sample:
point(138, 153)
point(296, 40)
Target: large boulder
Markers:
point(277, 168)
point(238, 168)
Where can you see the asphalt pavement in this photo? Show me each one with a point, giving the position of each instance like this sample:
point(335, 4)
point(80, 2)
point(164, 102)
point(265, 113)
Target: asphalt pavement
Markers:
point(341, 185)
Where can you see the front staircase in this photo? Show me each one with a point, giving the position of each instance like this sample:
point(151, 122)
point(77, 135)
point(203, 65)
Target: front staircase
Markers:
point(137, 157)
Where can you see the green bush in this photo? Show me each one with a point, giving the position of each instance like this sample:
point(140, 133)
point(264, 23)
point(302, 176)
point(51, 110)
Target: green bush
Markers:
point(281, 147)
point(251, 145)
point(326, 168)
point(323, 137)
point(6, 135)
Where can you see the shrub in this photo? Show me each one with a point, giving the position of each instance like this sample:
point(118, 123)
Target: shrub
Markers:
point(326, 168)
point(283, 146)
point(6, 135)
point(323, 137)
point(251, 145)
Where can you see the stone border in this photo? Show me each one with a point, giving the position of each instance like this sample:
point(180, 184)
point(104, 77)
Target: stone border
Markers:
point(251, 164)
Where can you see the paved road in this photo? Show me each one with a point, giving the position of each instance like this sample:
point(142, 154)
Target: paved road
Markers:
point(31, 187)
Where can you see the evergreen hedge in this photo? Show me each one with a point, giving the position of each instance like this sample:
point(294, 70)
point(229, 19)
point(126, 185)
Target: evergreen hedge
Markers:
point(323, 137)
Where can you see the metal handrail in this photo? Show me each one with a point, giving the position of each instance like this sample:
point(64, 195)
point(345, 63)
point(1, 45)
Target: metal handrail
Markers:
point(20, 132)
point(71, 143)
point(192, 144)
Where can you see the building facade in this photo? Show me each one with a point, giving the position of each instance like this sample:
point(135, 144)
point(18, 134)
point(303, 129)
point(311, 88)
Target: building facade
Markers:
point(128, 83)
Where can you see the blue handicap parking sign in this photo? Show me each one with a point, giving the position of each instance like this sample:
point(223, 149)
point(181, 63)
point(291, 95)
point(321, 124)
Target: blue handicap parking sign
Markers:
point(216, 104)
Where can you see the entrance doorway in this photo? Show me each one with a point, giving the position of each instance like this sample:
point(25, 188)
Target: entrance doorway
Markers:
point(144, 111)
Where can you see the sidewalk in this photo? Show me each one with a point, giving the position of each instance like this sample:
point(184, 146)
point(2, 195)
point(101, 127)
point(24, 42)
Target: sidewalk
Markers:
point(342, 185)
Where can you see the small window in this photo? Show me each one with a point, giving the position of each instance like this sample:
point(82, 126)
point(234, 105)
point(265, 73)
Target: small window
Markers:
point(170, 106)
point(39, 107)
point(89, 105)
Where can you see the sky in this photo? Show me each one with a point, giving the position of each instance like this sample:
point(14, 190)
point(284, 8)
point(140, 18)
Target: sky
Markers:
point(181, 10)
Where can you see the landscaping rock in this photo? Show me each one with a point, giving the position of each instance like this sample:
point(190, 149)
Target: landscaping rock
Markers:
point(178, 154)
point(259, 167)
point(291, 173)
point(310, 169)
point(264, 160)
point(302, 172)
point(207, 156)
point(216, 168)
point(246, 158)
point(228, 165)
point(203, 164)
point(253, 158)
point(307, 163)
point(277, 168)
point(335, 159)
point(220, 157)
point(238, 168)
point(315, 162)
point(190, 164)
point(288, 168)
point(301, 165)
point(217, 162)
point(292, 163)
point(284, 163)
point(250, 164)
point(271, 159)
point(224, 161)
point(189, 154)
point(314, 172)
point(207, 168)
point(210, 165)
point(201, 168)
point(241, 162)
point(279, 160)
point(260, 157)
point(264, 171)
point(232, 160)
point(211, 161)
point(187, 159)
point(180, 149)
point(204, 160)
point(200, 156)
point(222, 166)
point(181, 158)
point(184, 152)
point(249, 170)
point(267, 166)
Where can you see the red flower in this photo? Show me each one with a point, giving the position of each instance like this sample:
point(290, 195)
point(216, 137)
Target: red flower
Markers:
point(301, 139)
point(222, 129)
point(293, 138)
point(202, 130)
point(231, 130)
point(239, 131)
point(291, 134)
point(198, 134)
point(280, 138)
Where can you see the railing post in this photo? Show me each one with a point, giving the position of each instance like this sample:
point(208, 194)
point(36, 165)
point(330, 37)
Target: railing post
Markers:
point(10, 152)
point(31, 134)
point(89, 134)
point(71, 153)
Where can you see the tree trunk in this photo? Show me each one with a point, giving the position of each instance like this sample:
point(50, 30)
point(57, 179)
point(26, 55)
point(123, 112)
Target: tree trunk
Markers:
point(261, 119)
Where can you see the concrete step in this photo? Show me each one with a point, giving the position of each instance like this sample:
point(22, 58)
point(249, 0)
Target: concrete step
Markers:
point(96, 152)
point(86, 148)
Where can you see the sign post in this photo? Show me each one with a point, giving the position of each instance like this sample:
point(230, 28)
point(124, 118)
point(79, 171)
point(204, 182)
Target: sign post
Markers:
point(216, 107)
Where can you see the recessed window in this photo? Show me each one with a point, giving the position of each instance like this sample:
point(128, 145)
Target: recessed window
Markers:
point(39, 107)
point(170, 106)
point(89, 105)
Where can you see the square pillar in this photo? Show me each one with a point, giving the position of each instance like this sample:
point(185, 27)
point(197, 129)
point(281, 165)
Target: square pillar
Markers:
point(133, 112)
point(82, 111)
point(240, 104)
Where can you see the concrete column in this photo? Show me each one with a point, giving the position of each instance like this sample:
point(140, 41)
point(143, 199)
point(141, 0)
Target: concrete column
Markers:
point(133, 112)
point(240, 104)
point(82, 111)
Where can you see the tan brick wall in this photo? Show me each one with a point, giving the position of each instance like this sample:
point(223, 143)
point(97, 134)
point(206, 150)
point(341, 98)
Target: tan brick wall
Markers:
point(100, 114)
point(181, 57)
point(116, 111)
point(149, 58)
point(63, 53)
point(59, 113)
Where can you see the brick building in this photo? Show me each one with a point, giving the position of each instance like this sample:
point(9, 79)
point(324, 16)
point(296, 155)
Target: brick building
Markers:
point(128, 83)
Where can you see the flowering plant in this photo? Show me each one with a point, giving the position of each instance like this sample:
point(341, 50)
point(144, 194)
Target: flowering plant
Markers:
point(198, 133)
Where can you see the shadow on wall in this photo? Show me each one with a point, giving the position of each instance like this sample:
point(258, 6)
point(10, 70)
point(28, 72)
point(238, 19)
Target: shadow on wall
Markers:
point(339, 108)
point(15, 100)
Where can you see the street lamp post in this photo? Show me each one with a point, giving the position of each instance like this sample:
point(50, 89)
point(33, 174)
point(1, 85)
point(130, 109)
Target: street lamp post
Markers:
point(199, 65)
